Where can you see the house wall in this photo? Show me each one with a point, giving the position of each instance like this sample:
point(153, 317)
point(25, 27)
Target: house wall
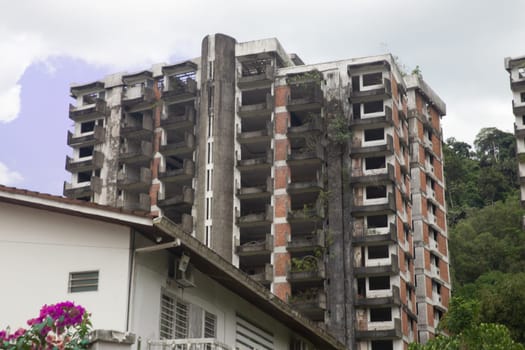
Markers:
point(38, 250)
point(150, 278)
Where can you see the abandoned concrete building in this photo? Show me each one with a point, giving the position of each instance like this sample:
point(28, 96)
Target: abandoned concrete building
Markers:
point(323, 182)
point(516, 68)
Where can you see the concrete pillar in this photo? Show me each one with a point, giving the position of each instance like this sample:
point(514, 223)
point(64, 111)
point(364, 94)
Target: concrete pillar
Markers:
point(101, 339)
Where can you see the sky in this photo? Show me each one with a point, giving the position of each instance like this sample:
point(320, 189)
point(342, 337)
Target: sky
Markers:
point(48, 45)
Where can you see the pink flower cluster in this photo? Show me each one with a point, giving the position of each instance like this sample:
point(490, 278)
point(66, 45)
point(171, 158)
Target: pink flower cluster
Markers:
point(64, 314)
point(5, 336)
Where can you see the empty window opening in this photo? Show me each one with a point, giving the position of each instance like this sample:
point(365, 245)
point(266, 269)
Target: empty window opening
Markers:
point(87, 126)
point(377, 221)
point(253, 97)
point(361, 287)
point(84, 176)
point(255, 67)
point(382, 345)
point(372, 79)
point(356, 110)
point(85, 151)
point(379, 283)
point(373, 192)
point(86, 281)
point(375, 163)
point(373, 107)
point(522, 97)
point(378, 252)
point(381, 314)
point(374, 134)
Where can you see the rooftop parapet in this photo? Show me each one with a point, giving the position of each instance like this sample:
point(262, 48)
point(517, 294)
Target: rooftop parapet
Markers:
point(416, 82)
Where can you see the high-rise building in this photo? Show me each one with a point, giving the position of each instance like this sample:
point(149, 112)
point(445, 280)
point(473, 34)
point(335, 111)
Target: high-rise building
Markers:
point(323, 182)
point(516, 68)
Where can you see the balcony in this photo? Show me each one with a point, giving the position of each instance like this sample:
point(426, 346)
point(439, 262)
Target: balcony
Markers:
point(96, 137)
point(312, 214)
point(180, 90)
point(363, 150)
point(264, 161)
point(262, 191)
point(435, 272)
point(134, 179)
point(518, 109)
point(314, 126)
point(256, 219)
point(305, 187)
point(96, 161)
point(385, 120)
point(306, 155)
point(257, 136)
point(142, 204)
point(390, 269)
point(256, 248)
point(142, 129)
point(305, 96)
point(84, 189)
point(178, 148)
point(256, 110)
point(181, 200)
point(262, 77)
point(187, 344)
point(185, 172)
point(381, 92)
point(364, 236)
point(131, 153)
point(263, 275)
point(310, 302)
point(385, 177)
point(306, 243)
point(138, 96)
point(179, 121)
point(363, 209)
point(306, 269)
point(95, 110)
point(371, 301)
point(372, 332)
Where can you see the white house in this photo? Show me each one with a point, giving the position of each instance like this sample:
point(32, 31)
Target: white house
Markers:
point(136, 274)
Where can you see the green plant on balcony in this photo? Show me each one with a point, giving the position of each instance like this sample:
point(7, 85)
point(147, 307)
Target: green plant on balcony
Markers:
point(304, 264)
point(306, 295)
point(313, 76)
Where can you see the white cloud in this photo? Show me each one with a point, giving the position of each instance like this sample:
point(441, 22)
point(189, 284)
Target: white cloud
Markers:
point(10, 102)
point(9, 177)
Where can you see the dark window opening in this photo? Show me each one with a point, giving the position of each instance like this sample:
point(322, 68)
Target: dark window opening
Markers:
point(523, 119)
point(522, 96)
point(253, 97)
point(374, 134)
point(361, 287)
point(381, 314)
point(355, 83)
point(379, 283)
point(375, 221)
point(84, 176)
point(372, 79)
point(373, 192)
point(373, 107)
point(87, 126)
point(375, 163)
point(85, 151)
point(356, 109)
point(382, 345)
point(378, 252)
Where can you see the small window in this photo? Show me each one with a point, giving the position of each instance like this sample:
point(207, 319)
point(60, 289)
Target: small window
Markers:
point(375, 163)
point(378, 252)
point(381, 314)
point(382, 345)
point(85, 151)
point(523, 119)
point(87, 126)
point(374, 134)
point(356, 110)
point(372, 79)
point(374, 192)
point(373, 107)
point(210, 325)
point(379, 283)
point(86, 281)
point(377, 221)
point(522, 97)
point(84, 176)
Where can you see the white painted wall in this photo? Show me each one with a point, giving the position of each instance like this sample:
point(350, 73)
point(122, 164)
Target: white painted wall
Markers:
point(150, 278)
point(38, 250)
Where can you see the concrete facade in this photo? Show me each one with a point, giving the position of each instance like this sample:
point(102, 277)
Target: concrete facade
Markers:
point(323, 182)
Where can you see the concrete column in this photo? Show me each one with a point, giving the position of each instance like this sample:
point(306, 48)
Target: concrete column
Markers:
point(217, 115)
point(101, 339)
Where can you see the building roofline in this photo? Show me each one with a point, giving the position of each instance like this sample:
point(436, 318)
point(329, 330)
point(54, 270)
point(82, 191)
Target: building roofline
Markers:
point(416, 82)
point(224, 273)
point(73, 207)
point(513, 62)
